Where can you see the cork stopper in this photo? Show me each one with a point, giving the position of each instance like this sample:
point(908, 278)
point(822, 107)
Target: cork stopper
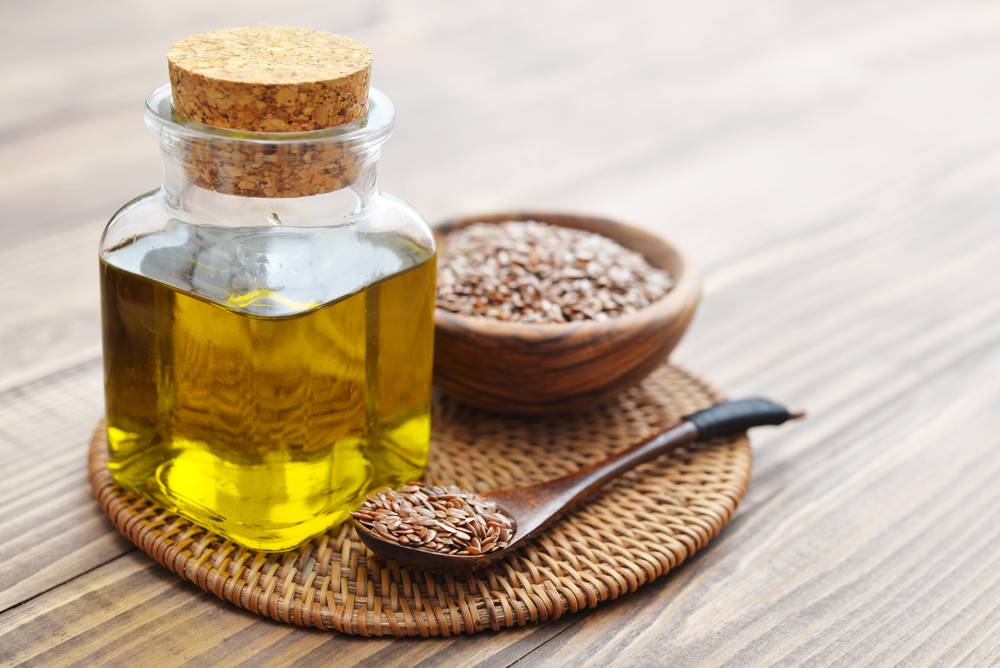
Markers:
point(270, 79)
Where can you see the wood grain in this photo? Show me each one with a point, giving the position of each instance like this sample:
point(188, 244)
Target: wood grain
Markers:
point(832, 168)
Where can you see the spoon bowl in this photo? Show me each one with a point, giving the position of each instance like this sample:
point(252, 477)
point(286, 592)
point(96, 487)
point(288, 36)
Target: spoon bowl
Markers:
point(429, 559)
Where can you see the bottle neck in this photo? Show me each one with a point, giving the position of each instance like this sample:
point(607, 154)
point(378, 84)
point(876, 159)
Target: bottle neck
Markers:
point(185, 193)
point(218, 176)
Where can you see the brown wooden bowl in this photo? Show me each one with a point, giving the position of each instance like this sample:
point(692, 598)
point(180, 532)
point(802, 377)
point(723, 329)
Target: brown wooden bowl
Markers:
point(528, 368)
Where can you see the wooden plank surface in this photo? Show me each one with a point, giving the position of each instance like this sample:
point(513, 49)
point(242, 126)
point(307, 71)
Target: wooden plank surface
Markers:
point(832, 166)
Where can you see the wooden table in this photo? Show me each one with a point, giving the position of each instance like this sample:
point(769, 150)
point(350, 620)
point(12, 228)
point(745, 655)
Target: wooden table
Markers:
point(834, 167)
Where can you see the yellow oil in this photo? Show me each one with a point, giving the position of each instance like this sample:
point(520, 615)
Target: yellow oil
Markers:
point(263, 417)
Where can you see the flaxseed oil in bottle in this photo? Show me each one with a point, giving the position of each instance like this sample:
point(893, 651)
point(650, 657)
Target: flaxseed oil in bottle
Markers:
point(265, 404)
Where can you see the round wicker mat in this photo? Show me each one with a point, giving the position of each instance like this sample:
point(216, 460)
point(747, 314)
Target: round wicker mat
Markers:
point(639, 528)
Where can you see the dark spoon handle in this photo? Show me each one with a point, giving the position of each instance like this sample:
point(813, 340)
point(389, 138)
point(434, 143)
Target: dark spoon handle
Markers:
point(537, 505)
point(727, 418)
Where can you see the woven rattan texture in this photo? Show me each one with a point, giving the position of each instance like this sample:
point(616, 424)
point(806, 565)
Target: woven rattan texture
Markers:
point(638, 529)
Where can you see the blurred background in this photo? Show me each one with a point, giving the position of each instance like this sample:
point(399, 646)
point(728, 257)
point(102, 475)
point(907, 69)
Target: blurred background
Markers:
point(725, 127)
point(833, 168)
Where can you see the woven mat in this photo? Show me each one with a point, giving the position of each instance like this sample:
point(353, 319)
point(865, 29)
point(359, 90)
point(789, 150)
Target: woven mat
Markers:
point(638, 529)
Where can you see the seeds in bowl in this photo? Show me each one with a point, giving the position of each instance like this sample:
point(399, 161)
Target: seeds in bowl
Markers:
point(528, 271)
point(448, 520)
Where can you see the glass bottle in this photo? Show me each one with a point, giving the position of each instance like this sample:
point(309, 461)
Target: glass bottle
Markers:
point(268, 328)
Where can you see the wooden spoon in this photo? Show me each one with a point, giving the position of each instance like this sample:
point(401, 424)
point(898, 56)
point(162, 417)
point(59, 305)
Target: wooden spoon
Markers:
point(533, 507)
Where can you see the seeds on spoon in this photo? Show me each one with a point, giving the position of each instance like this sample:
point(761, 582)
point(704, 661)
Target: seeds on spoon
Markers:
point(448, 520)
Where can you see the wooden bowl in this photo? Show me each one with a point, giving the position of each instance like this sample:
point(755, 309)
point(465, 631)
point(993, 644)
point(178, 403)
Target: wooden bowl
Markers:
point(531, 369)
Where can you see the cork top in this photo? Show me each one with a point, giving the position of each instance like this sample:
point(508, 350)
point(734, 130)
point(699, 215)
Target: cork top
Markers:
point(270, 79)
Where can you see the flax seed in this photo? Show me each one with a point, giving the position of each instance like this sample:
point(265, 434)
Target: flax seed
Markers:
point(443, 519)
point(528, 271)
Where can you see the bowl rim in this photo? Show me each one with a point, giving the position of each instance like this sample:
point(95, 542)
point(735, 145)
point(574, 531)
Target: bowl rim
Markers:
point(686, 286)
